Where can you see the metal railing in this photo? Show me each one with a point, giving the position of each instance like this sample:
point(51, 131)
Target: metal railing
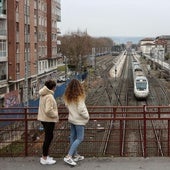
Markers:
point(111, 131)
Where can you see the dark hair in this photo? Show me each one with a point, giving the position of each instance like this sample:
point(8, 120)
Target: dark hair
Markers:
point(50, 84)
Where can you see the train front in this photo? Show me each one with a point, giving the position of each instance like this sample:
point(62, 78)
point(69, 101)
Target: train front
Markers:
point(141, 88)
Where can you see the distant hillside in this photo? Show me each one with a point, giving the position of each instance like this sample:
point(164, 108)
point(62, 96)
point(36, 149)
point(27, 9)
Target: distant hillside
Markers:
point(124, 40)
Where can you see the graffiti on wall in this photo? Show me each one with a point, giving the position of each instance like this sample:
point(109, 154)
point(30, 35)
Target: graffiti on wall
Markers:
point(11, 98)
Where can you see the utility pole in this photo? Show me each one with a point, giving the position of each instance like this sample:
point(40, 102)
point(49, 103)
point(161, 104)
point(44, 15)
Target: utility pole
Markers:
point(65, 60)
point(94, 58)
point(37, 64)
point(26, 56)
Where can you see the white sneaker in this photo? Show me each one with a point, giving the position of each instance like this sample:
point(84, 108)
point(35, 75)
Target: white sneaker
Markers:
point(47, 161)
point(70, 161)
point(49, 157)
point(78, 158)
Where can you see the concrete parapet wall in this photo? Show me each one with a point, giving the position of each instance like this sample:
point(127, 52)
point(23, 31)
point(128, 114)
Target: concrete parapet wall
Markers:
point(116, 70)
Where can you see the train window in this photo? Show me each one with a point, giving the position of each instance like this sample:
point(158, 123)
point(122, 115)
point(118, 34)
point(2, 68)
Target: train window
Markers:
point(141, 86)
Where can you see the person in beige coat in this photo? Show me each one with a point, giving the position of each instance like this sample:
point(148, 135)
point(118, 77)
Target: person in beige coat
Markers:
point(78, 117)
point(48, 115)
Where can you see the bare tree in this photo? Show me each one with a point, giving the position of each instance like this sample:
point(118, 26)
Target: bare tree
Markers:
point(77, 46)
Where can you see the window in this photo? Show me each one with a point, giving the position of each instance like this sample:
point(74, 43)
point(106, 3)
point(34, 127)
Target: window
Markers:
point(3, 49)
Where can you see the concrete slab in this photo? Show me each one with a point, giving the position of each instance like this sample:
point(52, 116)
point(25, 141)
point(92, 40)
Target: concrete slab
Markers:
point(133, 163)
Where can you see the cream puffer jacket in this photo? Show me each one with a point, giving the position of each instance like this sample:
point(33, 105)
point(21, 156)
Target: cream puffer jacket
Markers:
point(78, 113)
point(47, 111)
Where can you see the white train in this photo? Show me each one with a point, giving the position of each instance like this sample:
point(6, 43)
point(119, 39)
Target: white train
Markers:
point(141, 85)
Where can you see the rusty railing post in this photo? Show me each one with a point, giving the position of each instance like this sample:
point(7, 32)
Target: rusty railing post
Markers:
point(26, 131)
point(168, 137)
point(144, 129)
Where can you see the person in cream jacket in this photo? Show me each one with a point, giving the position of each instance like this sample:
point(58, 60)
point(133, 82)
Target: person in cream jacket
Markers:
point(78, 117)
point(48, 116)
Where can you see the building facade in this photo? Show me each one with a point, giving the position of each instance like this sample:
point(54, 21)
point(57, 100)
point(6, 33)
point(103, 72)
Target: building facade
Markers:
point(28, 45)
point(165, 41)
point(146, 45)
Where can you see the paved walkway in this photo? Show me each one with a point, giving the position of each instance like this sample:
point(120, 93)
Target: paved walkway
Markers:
point(30, 163)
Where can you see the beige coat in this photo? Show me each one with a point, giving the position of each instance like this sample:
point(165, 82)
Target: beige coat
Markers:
point(78, 113)
point(47, 111)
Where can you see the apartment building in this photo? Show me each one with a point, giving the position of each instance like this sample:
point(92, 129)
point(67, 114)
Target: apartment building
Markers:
point(146, 45)
point(165, 41)
point(3, 51)
point(28, 46)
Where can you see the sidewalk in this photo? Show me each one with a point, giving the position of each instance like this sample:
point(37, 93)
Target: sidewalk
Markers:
point(133, 163)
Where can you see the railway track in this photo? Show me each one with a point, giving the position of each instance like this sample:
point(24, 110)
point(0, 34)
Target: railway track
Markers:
point(131, 141)
point(120, 137)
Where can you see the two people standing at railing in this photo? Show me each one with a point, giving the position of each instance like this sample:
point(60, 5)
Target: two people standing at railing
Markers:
point(74, 99)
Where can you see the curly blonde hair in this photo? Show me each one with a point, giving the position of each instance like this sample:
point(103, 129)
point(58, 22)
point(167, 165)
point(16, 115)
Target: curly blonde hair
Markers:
point(74, 92)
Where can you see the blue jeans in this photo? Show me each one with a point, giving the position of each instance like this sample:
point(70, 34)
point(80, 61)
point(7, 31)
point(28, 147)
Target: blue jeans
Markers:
point(76, 137)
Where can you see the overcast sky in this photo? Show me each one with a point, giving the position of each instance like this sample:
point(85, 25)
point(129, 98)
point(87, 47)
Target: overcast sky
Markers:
point(146, 18)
